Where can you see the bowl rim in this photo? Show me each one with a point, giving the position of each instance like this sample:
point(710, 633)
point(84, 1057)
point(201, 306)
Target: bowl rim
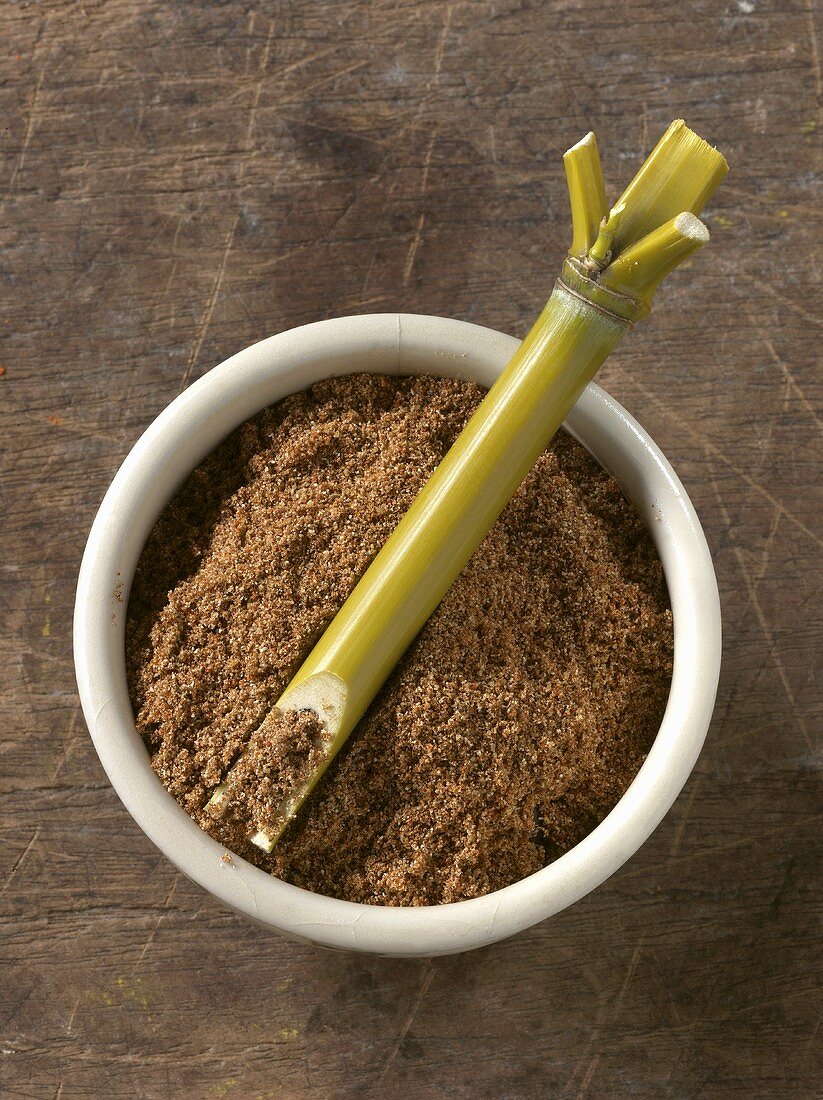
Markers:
point(186, 431)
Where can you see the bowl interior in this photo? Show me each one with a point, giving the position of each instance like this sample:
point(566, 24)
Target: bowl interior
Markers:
point(187, 431)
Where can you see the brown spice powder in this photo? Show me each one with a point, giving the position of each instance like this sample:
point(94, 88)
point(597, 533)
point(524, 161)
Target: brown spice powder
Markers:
point(513, 724)
point(279, 759)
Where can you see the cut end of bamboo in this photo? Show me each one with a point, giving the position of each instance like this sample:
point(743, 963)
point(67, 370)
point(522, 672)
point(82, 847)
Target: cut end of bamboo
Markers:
point(692, 228)
point(267, 838)
point(321, 692)
point(585, 143)
point(324, 695)
point(218, 799)
point(264, 841)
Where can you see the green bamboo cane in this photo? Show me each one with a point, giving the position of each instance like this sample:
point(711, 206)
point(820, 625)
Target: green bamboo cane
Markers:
point(617, 260)
point(587, 193)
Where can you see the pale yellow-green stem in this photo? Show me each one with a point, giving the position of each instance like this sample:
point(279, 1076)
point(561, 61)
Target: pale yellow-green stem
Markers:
point(587, 193)
point(680, 174)
point(641, 269)
point(601, 251)
point(616, 261)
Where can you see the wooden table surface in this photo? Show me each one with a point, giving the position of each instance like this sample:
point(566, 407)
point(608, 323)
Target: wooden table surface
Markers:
point(180, 180)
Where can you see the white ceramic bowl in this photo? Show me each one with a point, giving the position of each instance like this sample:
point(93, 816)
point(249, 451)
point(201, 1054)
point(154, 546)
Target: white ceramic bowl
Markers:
point(191, 427)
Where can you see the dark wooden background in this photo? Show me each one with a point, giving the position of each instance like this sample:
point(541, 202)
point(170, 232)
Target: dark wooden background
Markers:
point(182, 179)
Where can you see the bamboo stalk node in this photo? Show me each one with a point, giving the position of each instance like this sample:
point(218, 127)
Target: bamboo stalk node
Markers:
point(652, 227)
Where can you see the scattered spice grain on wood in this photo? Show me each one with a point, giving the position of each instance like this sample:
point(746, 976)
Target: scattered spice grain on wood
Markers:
point(512, 725)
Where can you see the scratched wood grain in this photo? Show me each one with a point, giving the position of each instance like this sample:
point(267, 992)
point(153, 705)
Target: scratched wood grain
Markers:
point(180, 180)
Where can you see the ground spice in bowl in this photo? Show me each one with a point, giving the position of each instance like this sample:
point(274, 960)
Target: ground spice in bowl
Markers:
point(511, 727)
